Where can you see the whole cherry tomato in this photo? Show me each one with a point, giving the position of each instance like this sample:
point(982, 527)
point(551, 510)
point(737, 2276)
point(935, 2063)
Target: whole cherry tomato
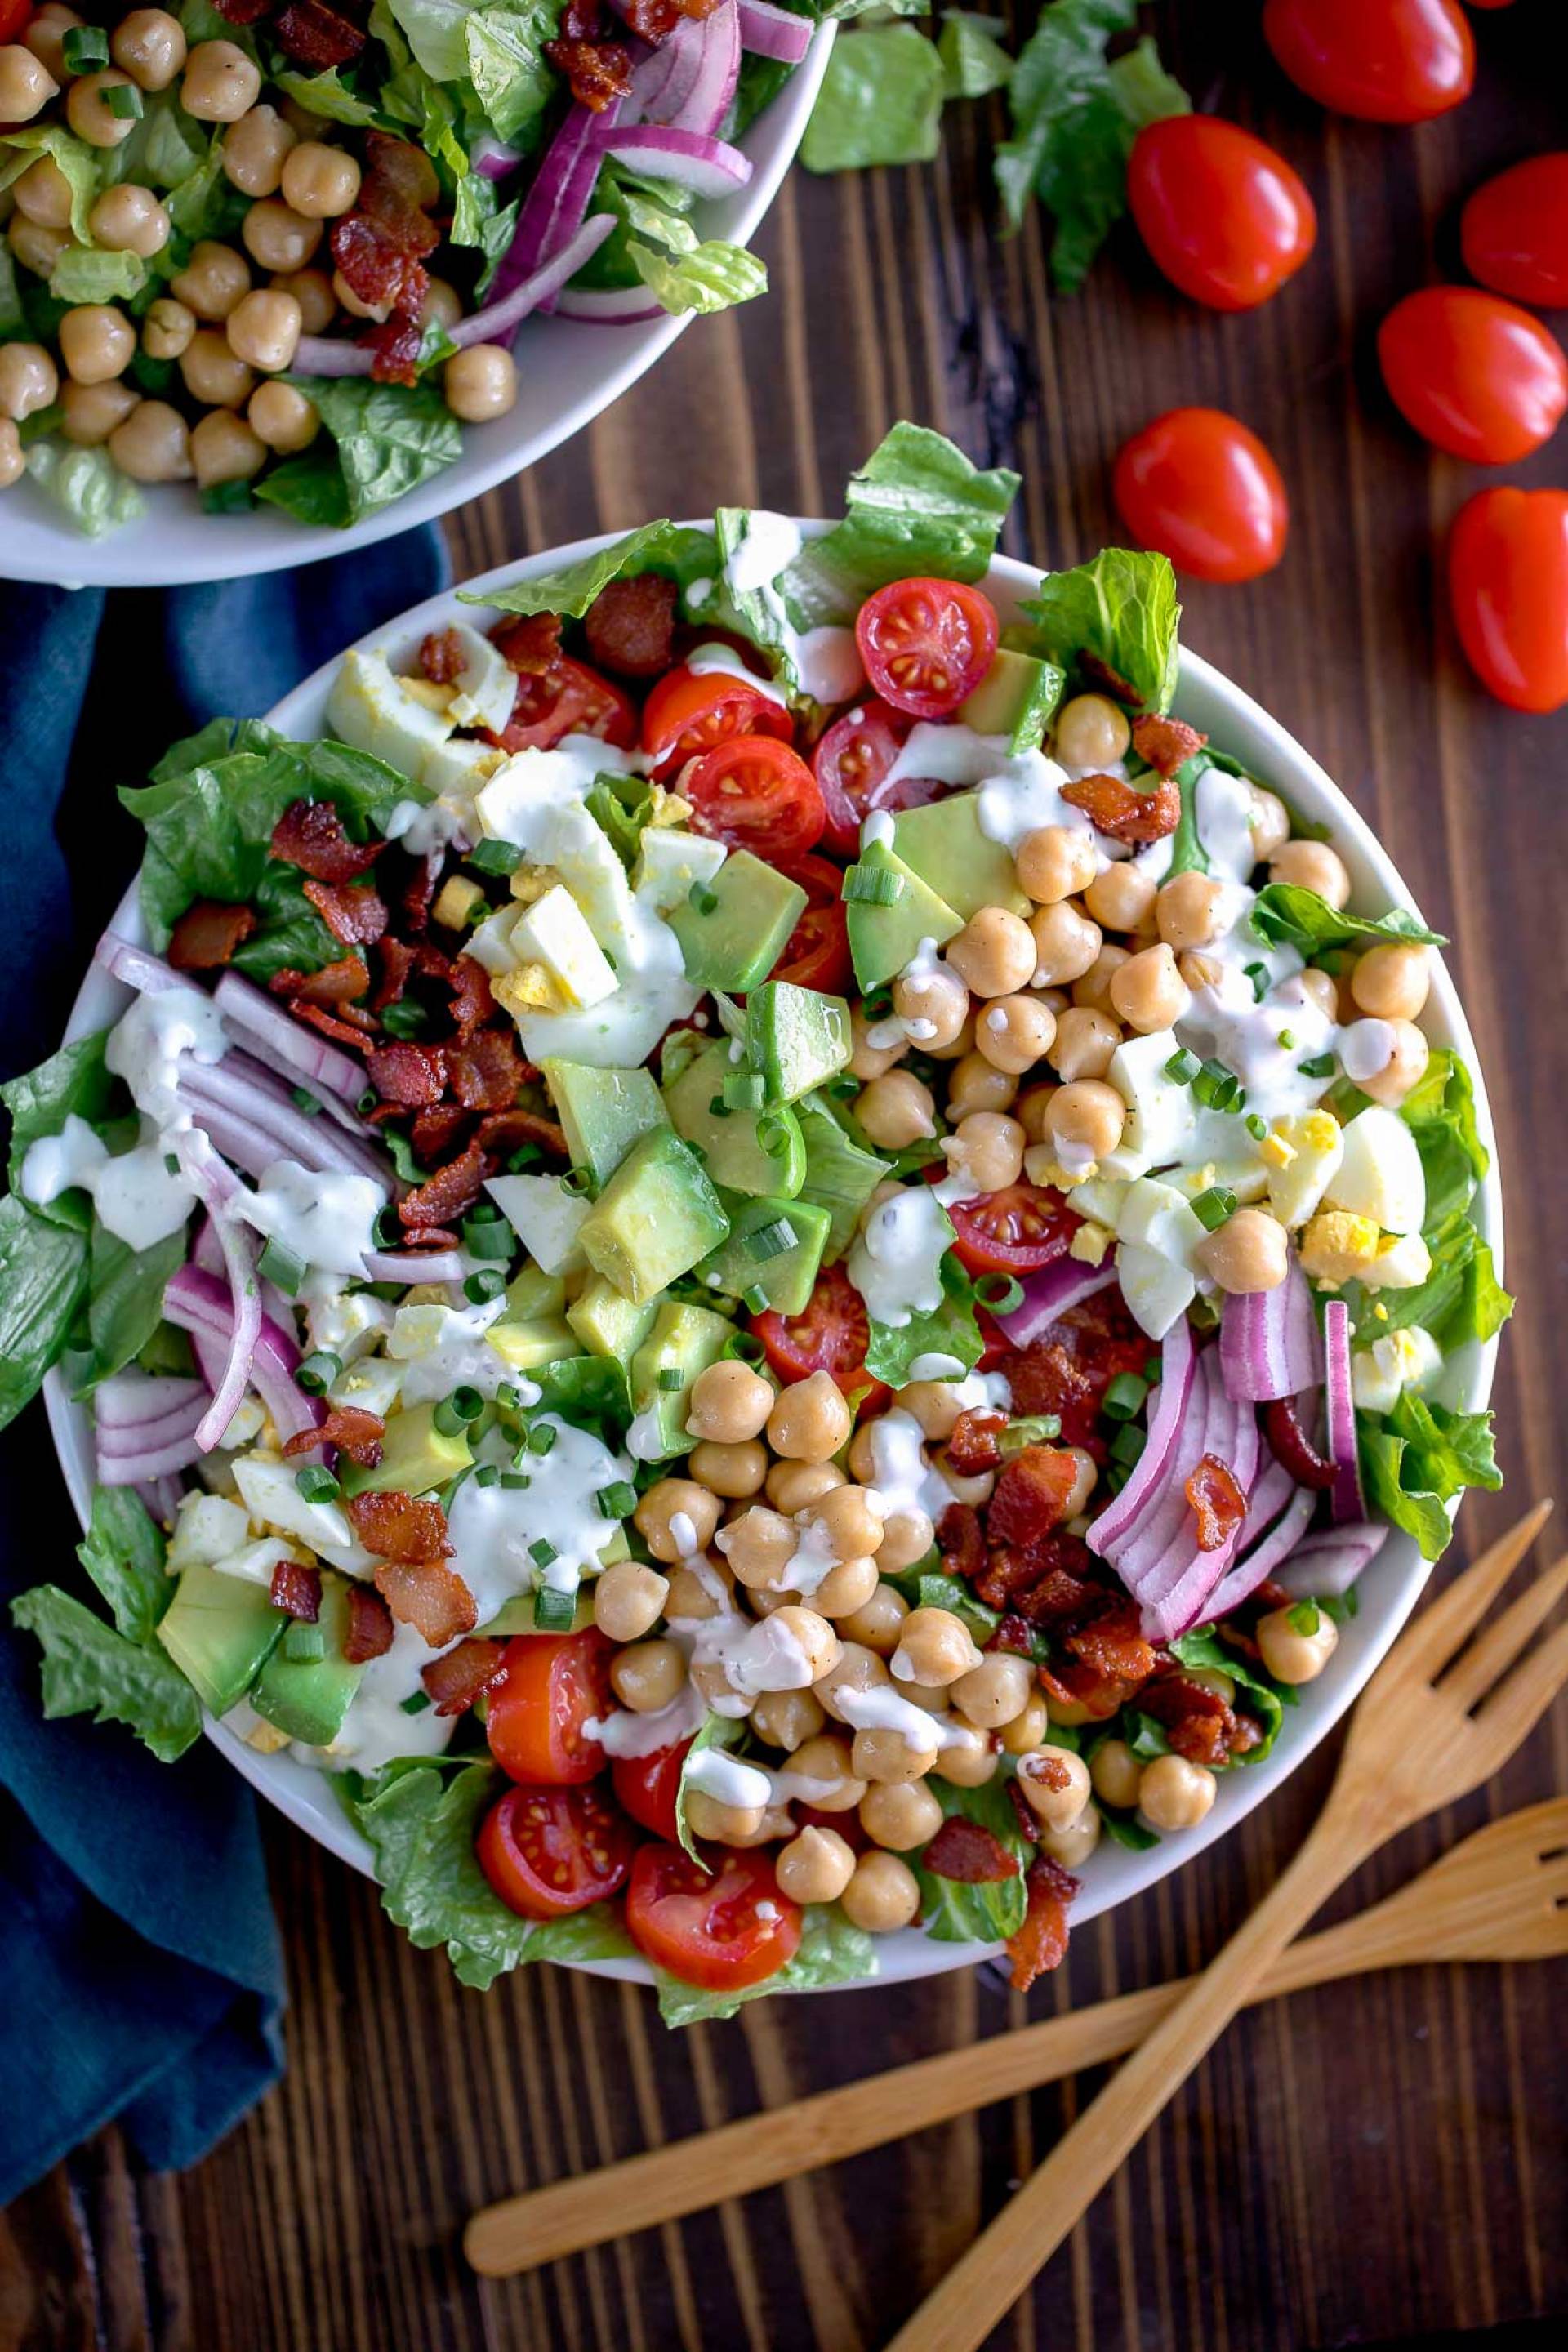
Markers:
point(1223, 215)
point(1385, 60)
point(1475, 376)
point(1508, 579)
point(1514, 232)
point(1201, 489)
point(648, 1786)
point(927, 644)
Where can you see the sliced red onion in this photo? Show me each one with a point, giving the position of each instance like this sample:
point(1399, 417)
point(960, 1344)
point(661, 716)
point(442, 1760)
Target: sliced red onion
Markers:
point(1347, 1504)
point(1049, 1294)
point(556, 205)
point(1272, 1490)
point(216, 1187)
point(155, 1458)
point(1326, 1563)
point(240, 1063)
point(197, 1302)
point(137, 967)
point(689, 81)
point(1268, 1344)
point(776, 33)
point(1167, 1411)
point(1230, 1434)
point(331, 356)
point(492, 160)
point(693, 159)
point(609, 305)
point(500, 322)
point(207, 1251)
point(1264, 1560)
point(160, 1497)
point(288, 1041)
point(415, 1265)
point(132, 1410)
point(315, 1143)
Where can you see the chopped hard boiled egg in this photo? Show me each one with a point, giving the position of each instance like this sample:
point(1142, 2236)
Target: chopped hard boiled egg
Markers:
point(545, 1218)
point(1380, 1174)
point(1338, 1247)
point(553, 932)
point(1403, 1262)
point(670, 865)
point(1399, 1360)
point(1302, 1156)
point(374, 711)
point(274, 1502)
point(1160, 1112)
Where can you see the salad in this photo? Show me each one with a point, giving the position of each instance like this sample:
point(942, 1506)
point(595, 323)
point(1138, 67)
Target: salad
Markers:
point(282, 249)
point(761, 1255)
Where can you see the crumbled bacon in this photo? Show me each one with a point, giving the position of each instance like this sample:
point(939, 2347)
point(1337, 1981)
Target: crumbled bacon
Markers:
point(454, 1682)
point(631, 626)
point(1041, 1943)
point(399, 182)
point(432, 1237)
point(242, 12)
point(1166, 743)
point(1032, 1494)
point(375, 267)
point(1217, 1502)
point(418, 891)
point(584, 20)
point(447, 1193)
point(530, 643)
point(1120, 809)
point(369, 1626)
point(441, 656)
point(349, 1428)
point(395, 344)
point(428, 1594)
point(968, 1852)
point(973, 1447)
point(960, 1541)
point(1014, 1634)
point(296, 1589)
point(502, 1131)
point(317, 36)
point(486, 1071)
point(336, 985)
point(472, 1003)
point(1111, 1646)
point(437, 1131)
point(208, 934)
point(354, 913)
point(402, 1528)
point(311, 835)
point(398, 960)
point(1067, 1369)
point(1199, 1724)
point(597, 71)
point(1105, 680)
point(409, 1074)
point(339, 1028)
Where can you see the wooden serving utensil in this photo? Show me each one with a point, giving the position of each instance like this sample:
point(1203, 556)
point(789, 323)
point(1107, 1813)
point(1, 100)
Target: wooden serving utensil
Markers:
point(1441, 1714)
point(1502, 1895)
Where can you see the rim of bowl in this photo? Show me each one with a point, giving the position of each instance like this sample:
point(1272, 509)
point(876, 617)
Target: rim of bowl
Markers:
point(1114, 1874)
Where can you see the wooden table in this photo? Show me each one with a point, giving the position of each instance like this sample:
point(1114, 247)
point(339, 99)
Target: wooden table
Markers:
point(1380, 2160)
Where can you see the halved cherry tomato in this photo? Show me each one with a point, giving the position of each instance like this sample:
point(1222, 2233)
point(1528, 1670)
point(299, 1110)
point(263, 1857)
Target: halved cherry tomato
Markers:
point(753, 792)
point(1475, 376)
point(1016, 1230)
point(927, 644)
point(1383, 60)
point(548, 1851)
point(689, 711)
point(553, 1685)
point(708, 1927)
point(1507, 577)
point(849, 763)
point(569, 699)
point(1514, 232)
point(816, 954)
point(1222, 215)
point(14, 14)
point(996, 1346)
point(648, 1786)
point(832, 1335)
point(1203, 490)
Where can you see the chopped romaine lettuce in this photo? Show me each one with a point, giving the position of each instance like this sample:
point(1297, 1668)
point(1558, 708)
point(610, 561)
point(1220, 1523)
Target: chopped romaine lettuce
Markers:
point(504, 51)
point(951, 1909)
point(76, 1079)
point(87, 484)
point(89, 1669)
point(389, 438)
point(20, 148)
point(950, 1329)
point(973, 62)
point(43, 1281)
point(1203, 1652)
point(81, 275)
point(830, 1952)
point(1120, 609)
point(1287, 914)
point(916, 507)
point(712, 276)
point(123, 1552)
point(1417, 1458)
point(682, 555)
point(880, 101)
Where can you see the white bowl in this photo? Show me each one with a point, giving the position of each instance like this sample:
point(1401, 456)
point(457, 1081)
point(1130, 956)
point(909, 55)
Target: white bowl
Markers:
point(569, 371)
point(1392, 1586)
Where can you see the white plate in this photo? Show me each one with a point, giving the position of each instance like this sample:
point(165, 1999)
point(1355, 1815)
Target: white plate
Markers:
point(1389, 1590)
point(569, 371)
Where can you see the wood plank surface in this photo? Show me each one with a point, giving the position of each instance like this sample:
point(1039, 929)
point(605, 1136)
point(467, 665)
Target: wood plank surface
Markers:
point(1382, 2161)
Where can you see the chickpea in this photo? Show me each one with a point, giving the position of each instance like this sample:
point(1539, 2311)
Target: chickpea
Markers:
point(312, 289)
point(1073, 1847)
point(44, 35)
point(1122, 897)
point(877, 1622)
point(282, 417)
point(1291, 1655)
point(809, 1421)
point(1248, 1252)
point(1066, 943)
point(1091, 731)
point(787, 1718)
point(698, 1590)
point(263, 329)
point(901, 1815)
point(26, 85)
point(153, 444)
point(1323, 990)
point(648, 1676)
point(974, 1491)
point(1056, 1783)
point(1175, 1794)
point(1093, 989)
point(896, 1109)
point(728, 1402)
point(320, 182)
point(995, 1691)
point(735, 1471)
point(1268, 820)
point(1148, 991)
point(759, 1546)
point(94, 410)
point(855, 1668)
point(88, 112)
point(443, 305)
point(883, 1896)
point(1028, 1729)
point(628, 1600)
point(1116, 1774)
point(987, 1149)
point(1188, 911)
point(277, 237)
point(150, 46)
point(934, 1403)
point(213, 280)
point(129, 219)
point(934, 1647)
point(480, 382)
point(1086, 1473)
point(994, 953)
point(1032, 1106)
point(849, 1520)
point(29, 380)
point(676, 1518)
point(1085, 1041)
point(1087, 1117)
point(791, 1485)
point(934, 1002)
point(213, 374)
point(97, 342)
point(1315, 867)
point(167, 328)
point(1055, 861)
point(224, 449)
point(821, 1775)
point(906, 1536)
point(43, 193)
point(868, 1061)
point(13, 462)
point(880, 1755)
point(1404, 1069)
point(846, 1590)
point(1392, 984)
point(816, 1866)
point(966, 1758)
point(255, 149)
point(343, 293)
point(708, 1817)
point(1014, 1032)
point(220, 84)
point(977, 1084)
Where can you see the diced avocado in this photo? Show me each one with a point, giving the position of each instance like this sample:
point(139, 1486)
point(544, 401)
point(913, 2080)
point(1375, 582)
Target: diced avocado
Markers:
point(415, 1456)
point(1017, 698)
point(525, 1347)
point(741, 938)
point(734, 1143)
point(602, 1112)
point(534, 1297)
point(308, 1698)
point(943, 842)
point(605, 1323)
point(684, 1340)
point(516, 1615)
point(655, 1218)
point(796, 1037)
point(220, 1632)
point(785, 1276)
point(885, 933)
point(839, 1176)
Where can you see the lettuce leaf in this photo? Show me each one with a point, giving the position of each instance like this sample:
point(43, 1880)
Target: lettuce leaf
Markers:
point(973, 62)
point(712, 276)
point(389, 438)
point(950, 1329)
point(1122, 610)
point(89, 1669)
point(20, 150)
point(40, 1101)
point(719, 1731)
point(916, 507)
point(681, 554)
point(1287, 914)
point(1441, 1113)
point(1417, 1458)
point(327, 94)
point(43, 1281)
point(880, 101)
point(124, 1553)
point(839, 1176)
point(830, 1952)
point(96, 276)
point(504, 55)
point(1203, 1652)
point(993, 1910)
point(125, 1300)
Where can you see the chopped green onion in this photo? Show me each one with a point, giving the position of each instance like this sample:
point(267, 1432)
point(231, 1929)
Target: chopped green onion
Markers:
point(491, 1239)
point(316, 1374)
point(1288, 1040)
point(772, 1240)
point(454, 1412)
point(1129, 1443)
point(1154, 1371)
point(486, 1475)
point(1213, 1207)
point(1217, 1087)
point(774, 1137)
point(1256, 1127)
point(746, 1345)
point(367, 1102)
point(123, 100)
point(509, 1396)
point(756, 1298)
point(616, 1502)
point(744, 1090)
point(702, 898)
point(876, 1002)
point(1182, 1067)
point(554, 1609)
point(85, 47)
point(1258, 974)
point(172, 1162)
point(843, 1088)
point(303, 1642)
point(718, 1107)
point(278, 1263)
point(999, 1293)
point(495, 857)
point(405, 1019)
point(303, 1099)
point(387, 1229)
point(670, 1378)
point(515, 1478)
point(486, 1284)
point(316, 1484)
point(416, 1703)
point(526, 1156)
point(1320, 1065)
point(872, 885)
point(1033, 1429)
point(1123, 1399)
point(577, 1181)
point(541, 1437)
point(1306, 1618)
point(543, 1552)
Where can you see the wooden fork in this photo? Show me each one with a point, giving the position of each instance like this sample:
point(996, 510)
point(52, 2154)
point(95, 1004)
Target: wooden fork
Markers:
point(1437, 1719)
point(1502, 1895)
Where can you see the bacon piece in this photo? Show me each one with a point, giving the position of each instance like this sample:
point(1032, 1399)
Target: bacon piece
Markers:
point(486, 1071)
point(369, 1626)
point(530, 643)
point(311, 835)
point(447, 1193)
point(1106, 680)
point(1120, 809)
point(354, 913)
point(472, 1003)
point(597, 71)
point(296, 1589)
point(973, 1445)
point(455, 1682)
point(1032, 1494)
point(402, 1528)
point(428, 1595)
point(334, 985)
point(349, 1428)
point(398, 960)
point(1029, 1823)
point(441, 656)
point(408, 1074)
point(437, 1132)
point(1015, 1634)
point(1292, 1446)
point(1217, 1502)
point(960, 1541)
point(316, 36)
point(1113, 1647)
point(432, 1237)
point(419, 889)
point(651, 20)
point(1041, 1943)
point(242, 12)
point(396, 345)
point(1199, 1724)
point(631, 626)
point(345, 1028)
point(375, 267)
point(1166, 743)
point(400, 182)
point(502, 1131)
point(1069, 1368)
point(208, 934)
point(968, 1852)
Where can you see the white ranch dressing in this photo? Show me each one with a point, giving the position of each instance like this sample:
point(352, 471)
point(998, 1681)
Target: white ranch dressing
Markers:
point(493, 1528)
point(924, 966)
point(706, 661)
point(904, 1479)
point(754, 1656)
point(895, 1261)
point(138, 1198)
point(882, 1709)
point(424, 826)
point(443, 1348)
point(377, 1729)
point(325, 1216)
point(626, 1733)
point(145, 1046)
point(1015, 792)
point(729, 1779)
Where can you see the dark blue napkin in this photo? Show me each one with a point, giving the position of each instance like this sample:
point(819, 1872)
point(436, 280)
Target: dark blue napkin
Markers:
point(140, 1964)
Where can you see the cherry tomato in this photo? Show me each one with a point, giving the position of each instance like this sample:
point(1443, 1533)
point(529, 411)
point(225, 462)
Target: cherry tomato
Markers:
point(1201, 488)
point(569, 699)
point(708, 1927)
point(927, 644)
point(547, 1852)
point(553, 1684)
point(753, 792)
point(1016, 1230)
point(646, 1787)
point(1385, 60)
point(816, 954)
point(831, 1336)
point(1507, 577)
point(689, 711)
point(14, 16)
point(1473, 374)
point(1514, 232)
point(1223, 215)
point(849, 764)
